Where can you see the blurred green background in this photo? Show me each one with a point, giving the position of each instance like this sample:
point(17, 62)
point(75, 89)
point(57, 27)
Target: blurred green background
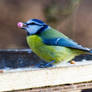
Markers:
point(72, 17)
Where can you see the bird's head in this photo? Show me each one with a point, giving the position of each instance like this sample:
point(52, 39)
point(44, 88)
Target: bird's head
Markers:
point(33, 26)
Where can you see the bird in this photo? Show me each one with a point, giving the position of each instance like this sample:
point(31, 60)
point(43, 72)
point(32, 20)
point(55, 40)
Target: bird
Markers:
point(49, 44)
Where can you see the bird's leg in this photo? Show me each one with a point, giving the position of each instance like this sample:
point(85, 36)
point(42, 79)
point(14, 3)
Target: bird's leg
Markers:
point(50, 63)
point(47, 64)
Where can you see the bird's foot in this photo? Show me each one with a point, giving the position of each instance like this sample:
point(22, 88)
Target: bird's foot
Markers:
point(72, 62)
point(46, 65)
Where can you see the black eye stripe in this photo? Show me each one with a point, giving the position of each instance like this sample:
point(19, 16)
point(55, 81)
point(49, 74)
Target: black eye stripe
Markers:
point(33, 24)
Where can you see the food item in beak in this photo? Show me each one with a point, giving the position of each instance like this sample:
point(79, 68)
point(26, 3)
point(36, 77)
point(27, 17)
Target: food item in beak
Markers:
point(20, 24)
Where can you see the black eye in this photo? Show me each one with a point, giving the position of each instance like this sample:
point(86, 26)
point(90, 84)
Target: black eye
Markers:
point(31, 23)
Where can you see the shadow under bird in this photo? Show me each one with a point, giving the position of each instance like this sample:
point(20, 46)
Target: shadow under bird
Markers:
point(49, 44)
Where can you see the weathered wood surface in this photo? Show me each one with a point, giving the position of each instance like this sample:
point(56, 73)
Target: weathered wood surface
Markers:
point(16, 72)
point(61, 88)
point(25, 79)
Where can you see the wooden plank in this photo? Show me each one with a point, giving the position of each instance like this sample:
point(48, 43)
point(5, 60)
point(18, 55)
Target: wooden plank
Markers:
point(61, 88)
point(24, 79)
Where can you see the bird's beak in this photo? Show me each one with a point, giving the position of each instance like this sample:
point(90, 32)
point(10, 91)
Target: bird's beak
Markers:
point(24, 26)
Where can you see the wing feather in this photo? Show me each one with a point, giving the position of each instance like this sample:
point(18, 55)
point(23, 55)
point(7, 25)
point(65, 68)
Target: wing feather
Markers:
point(66, 42)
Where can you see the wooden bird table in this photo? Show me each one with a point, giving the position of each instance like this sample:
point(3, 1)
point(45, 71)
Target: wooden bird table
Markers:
point(17, 73)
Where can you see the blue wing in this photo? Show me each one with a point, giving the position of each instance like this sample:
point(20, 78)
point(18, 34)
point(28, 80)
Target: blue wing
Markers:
point(66, 42)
